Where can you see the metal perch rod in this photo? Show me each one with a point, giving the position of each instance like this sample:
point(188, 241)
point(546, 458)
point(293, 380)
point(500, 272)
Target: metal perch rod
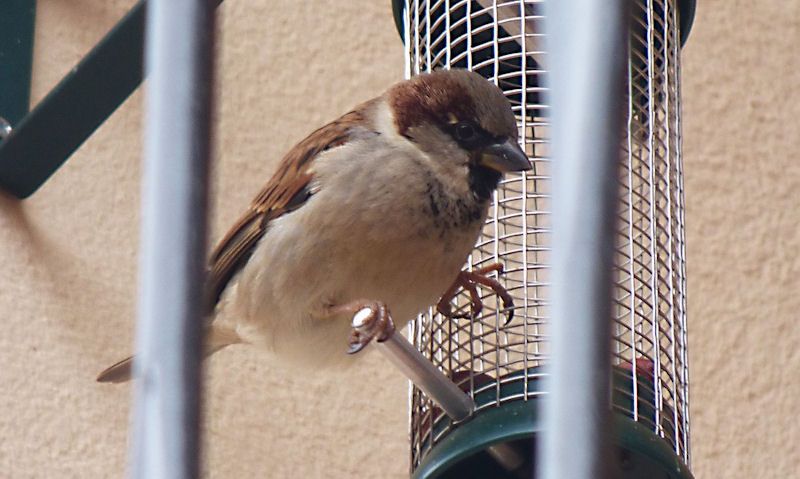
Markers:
point(457, 404)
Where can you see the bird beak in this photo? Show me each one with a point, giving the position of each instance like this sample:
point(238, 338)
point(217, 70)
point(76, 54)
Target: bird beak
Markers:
point(504, 156)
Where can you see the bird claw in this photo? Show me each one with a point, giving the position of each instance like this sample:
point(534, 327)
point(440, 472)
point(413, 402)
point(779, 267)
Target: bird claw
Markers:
point(469, 281)
point(508, 312)
point(371, 320)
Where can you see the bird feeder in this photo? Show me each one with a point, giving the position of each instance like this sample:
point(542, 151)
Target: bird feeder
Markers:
point(500, 366)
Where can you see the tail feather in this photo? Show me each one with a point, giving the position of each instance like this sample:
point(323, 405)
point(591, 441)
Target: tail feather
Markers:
point(117, 373)
point(122, 371)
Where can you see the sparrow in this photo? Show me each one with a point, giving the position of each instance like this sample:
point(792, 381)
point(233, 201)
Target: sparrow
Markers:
point(380, 207)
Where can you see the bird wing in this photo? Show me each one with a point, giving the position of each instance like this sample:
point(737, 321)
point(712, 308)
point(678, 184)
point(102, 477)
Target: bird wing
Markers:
point(287, 190)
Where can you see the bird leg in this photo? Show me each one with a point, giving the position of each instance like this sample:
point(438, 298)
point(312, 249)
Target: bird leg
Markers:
point(371, 320)
point(469, 281)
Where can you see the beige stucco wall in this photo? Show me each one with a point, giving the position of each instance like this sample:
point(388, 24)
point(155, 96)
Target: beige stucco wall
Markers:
point(68, 254)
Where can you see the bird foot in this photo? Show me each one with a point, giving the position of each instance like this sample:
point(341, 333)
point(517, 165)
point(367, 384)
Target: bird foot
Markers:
point(469, 280)
point(371, 320)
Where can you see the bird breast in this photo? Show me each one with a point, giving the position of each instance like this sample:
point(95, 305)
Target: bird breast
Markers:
point(378, 227)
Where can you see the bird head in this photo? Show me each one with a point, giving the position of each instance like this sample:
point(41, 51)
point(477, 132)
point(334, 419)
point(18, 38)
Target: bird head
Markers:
point(459, 119)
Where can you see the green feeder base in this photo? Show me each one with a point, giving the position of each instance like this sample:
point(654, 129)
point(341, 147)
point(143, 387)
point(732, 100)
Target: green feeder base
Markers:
point(639, 453)
point(463, 452)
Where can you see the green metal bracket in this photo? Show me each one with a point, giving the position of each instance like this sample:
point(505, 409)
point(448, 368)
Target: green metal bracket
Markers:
point(72, 111)
point(16, 58)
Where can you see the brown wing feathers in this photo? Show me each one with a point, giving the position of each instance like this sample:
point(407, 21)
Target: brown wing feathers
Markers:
point(287, 190)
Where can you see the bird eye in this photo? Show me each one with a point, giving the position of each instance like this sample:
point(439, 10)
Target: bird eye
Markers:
point(465, 131)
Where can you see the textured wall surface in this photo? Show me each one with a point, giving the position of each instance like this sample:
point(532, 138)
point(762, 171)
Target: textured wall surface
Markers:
point(68, 282)
point(742, 137)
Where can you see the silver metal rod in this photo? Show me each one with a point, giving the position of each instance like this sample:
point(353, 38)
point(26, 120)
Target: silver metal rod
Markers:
point(178, 55)
point(454, 402)
point(457, 404)
point(587, 58)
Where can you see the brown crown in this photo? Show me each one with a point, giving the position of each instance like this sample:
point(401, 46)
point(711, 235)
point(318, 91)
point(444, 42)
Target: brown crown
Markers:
point(436, 98)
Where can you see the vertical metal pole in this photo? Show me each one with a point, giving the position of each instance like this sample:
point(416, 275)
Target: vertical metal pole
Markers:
point(178, 55)
point(587, 57)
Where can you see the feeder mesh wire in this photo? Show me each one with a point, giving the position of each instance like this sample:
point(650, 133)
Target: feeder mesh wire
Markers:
point(502, 40)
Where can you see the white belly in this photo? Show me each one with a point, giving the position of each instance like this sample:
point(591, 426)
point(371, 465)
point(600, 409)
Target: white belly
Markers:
point(285, 293)
point(344, 245)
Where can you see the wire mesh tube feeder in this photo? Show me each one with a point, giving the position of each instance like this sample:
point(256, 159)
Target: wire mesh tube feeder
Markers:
point(477, 381)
